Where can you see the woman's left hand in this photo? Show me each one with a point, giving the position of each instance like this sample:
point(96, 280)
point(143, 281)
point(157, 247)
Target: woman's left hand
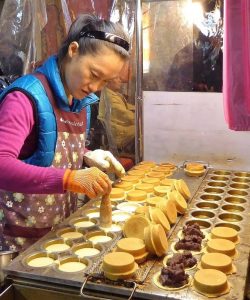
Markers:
point(105, 161)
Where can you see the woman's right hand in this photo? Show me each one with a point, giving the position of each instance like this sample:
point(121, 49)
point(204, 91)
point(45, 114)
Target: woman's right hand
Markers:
point(92, 182)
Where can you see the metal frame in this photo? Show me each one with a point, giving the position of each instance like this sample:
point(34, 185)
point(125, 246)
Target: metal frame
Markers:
point(138, 88)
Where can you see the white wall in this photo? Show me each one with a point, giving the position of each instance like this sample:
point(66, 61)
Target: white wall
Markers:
point(191, 126)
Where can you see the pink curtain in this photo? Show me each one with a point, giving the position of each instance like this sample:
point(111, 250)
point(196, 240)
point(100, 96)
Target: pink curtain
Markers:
point(236, 64)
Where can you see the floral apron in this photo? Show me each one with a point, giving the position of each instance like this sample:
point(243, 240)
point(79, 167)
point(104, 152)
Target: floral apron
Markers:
point(24, 218)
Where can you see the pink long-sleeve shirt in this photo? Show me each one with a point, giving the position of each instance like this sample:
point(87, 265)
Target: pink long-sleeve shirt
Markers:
point(18, 140)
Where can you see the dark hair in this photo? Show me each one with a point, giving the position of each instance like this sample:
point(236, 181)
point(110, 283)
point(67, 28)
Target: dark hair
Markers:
point(90, 45)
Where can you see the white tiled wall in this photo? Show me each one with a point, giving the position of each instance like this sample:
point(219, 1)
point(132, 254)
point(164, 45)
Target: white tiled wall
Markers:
point(191, 126)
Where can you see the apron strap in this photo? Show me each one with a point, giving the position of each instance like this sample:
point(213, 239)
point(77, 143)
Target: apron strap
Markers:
point(46, 86)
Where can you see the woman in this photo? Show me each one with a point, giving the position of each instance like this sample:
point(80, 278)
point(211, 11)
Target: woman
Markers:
point(42, 133)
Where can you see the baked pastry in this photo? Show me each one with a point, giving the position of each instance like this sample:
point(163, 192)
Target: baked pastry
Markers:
point(153, 181)
point(156, 239)
point(221, 246)
point(158, 175)
point(146, 187)
point(158, 217)
point(133, 246)
point(134, 226)
point(193, 166)
point(168, 182)
point(130, 178)
point(139, 196)
point(152, 201)
point(162, 169)
point(145, 168)
point(182, 188)
point(194, 169)
point(169, 209)
point(142, 210)
point(138, 173)
point(148, 239)
point(162, 190)
point(124, 185)
point(119, 265)
point(179, 201)
point(227, 233)
point(159, 239)
point(148, 163)
point(117, 194)
point(169, 166)
point(210, 282)
point(217, 261)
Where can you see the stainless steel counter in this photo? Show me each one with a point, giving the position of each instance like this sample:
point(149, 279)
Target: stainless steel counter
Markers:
point(228, 189)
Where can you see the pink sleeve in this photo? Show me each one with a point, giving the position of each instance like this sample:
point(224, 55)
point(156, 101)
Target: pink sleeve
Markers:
point(16, 123)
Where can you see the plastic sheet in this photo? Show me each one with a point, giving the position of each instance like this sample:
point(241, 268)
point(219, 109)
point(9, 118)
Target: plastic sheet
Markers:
point(189, 57)
point(236, 65)
point(32, 30)
point(114, 126)
point(20, 22)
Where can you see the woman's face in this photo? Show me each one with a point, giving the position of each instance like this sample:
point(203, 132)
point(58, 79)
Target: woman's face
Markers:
point(85, 74)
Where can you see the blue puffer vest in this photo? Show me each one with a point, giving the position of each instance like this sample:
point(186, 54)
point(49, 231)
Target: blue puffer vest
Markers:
point(45, 118)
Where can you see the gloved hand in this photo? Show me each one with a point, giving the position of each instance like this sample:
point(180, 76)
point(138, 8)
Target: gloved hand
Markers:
point(91, 182)
point(105, 161)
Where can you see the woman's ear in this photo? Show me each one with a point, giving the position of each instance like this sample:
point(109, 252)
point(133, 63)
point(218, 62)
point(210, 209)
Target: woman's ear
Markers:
point(73, 49)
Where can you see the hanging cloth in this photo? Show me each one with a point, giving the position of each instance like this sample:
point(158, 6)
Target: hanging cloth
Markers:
point(236, 64)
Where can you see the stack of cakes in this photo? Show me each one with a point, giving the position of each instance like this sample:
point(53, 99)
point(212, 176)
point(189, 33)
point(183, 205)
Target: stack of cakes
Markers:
point(194, 169)
point(168, 207)
point(154, 234)
point(156, 239)
point(211, 279)
point(179, 201)
point(119, 265)
point(223, 240)
point(133, 246)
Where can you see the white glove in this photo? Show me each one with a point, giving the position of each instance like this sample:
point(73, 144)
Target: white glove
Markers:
point(105, 161)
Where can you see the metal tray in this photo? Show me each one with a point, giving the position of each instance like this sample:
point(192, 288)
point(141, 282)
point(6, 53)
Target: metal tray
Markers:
point(219, 197)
